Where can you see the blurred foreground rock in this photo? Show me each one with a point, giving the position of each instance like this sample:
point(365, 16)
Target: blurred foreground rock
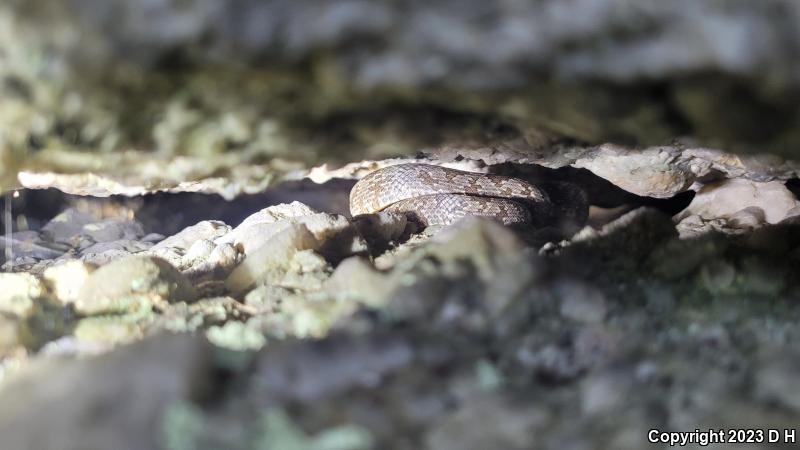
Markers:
point(191, 96)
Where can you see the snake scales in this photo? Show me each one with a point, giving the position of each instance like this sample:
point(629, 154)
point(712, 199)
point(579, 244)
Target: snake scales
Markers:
point(440, 196)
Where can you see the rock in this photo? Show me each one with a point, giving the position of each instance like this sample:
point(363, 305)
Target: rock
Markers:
point(717, 276)
point(67, 225)
point(728, 198)
point(776, 377)
point(356, 278)
point(107, 330)
point(141, 381)
point(110, 230)
point(267, 298)
point(761, 276)
point(489, 421)
point(105, 252)
point(66, 279)
point(676, 258)
point(492, 247)
point(207, 229)
point(131, 283)
point(305, 370)
point(606, 392)
point(221, 260)
point(224, 256)
point(31, 244)
point(194, 252)
point(18, 292)
point(336, 235)
point(653, 172)
point(581, 302)
point(307, 271)
point(269, 262)
point(382, 228)
point(174, 248)
point(10, 338)
point(199, 250)
point(236, 336)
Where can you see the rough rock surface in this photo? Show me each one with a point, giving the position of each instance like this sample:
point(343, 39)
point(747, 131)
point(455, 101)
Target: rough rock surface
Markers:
point(254, 96)
point(299, 327)
point(467, 336)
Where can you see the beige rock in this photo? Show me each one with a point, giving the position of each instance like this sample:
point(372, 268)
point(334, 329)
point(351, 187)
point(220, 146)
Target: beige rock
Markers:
point(200, 249)
point(9, 336)
point(207, 229)
point(18, 292)
point(176, 248)
point(652, 172)
point(356, 278)
point(260, 227)
point(132, 282)
point(740, 200)
point(489, 245)
point(381, 228)
point(65, 280)
point(107, 331)
point(269, 262)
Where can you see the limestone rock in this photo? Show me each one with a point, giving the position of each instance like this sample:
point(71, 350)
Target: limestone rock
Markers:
point(18, 292)
point(581, 302)
point(382, 228)
point(130, 283)
point(176, 248)
point(143, 380)
point(270, 261)
point(653, 172)
point(725, 199)
point(355, 277)
point(488, 422)
point(338, 238)
point(10, 338)
point(66, 279)
point(107, 330)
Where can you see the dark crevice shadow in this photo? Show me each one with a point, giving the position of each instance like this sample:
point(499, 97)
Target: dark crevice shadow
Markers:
point(186, 209)
point(599, 191)
point(168, 213)
point(794, 186)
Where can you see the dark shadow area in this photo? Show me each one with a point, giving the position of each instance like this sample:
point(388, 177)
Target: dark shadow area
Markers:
point(794, 186)
point(168, 213)
point(599, 191)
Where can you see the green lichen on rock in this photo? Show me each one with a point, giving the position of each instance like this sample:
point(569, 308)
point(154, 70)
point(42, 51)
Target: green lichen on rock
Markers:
point(236, 336)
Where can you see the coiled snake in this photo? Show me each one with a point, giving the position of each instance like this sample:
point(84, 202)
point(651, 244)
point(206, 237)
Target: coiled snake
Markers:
point(436, 195)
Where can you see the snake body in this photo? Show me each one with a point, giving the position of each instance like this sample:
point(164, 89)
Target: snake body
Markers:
point(440, 196)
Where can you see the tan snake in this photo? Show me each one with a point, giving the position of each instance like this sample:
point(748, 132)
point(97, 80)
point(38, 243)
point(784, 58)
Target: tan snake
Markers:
point(440, 196)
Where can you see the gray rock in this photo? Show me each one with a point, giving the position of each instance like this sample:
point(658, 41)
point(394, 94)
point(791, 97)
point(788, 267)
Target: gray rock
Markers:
point(144, 380)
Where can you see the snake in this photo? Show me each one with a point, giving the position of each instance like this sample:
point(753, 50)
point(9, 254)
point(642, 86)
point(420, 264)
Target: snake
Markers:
point(435, 195)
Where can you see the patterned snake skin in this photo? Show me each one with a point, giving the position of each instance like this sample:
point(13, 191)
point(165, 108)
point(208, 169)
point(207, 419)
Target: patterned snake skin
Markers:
point(439, 196)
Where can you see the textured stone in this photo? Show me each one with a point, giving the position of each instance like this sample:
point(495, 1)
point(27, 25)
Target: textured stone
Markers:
point(130, 283)
point(18, 292)
point(142, 379)
point(726, 198)
point(270, 261)
point(66, 279)
point(337, 237)
point(10, 336)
